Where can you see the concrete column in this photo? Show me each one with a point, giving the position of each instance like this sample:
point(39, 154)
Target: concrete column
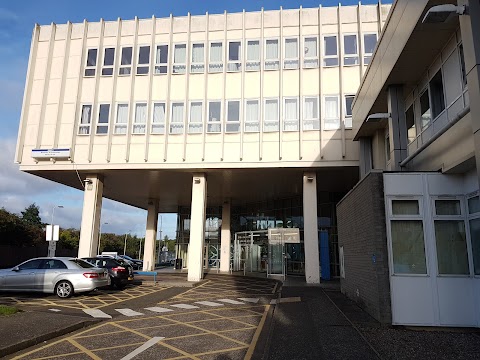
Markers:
point(312, 255)
point(197, 227)
point(92, 209)
point(225, 238)
point(470, 30)
point(150, 236)
point(397, 126)
point(365, 156)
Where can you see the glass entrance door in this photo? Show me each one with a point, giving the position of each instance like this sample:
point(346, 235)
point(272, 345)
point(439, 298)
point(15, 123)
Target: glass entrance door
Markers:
point(276, 258)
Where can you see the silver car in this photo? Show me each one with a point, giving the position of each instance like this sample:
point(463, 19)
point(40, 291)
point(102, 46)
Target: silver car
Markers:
point(63, 276)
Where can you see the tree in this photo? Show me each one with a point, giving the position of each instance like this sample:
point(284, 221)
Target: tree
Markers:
point(31, 215)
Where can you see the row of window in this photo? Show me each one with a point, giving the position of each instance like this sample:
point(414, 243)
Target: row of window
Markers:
point(234, 55)
point(215, 121)
point(408, 244)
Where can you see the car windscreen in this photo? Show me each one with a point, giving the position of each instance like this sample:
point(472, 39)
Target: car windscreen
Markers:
point(82, 263)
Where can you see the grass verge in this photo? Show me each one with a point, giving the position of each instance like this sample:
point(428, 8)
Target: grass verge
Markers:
point(7, 310)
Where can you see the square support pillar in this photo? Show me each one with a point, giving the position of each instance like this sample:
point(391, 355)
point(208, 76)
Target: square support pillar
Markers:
point(197, 227)
point(150, 236)
point(225, 238)
point(310, 225)
point(92, 209)
point(365, 156)
point(397, 126)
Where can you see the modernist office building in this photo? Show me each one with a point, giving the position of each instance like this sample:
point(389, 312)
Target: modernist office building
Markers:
point(239, 122)
point(409, 232)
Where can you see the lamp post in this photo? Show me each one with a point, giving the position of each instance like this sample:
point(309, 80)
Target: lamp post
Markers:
point(125, 243)
point(100, 238)
point(52, 246)
point(160, 240)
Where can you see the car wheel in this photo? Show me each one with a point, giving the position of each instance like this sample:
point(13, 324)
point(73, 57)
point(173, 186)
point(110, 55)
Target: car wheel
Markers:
point(64, 289)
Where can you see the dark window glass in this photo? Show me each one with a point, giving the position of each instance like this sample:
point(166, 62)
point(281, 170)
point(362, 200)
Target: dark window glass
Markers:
point(234, 51)
point(89, 72)
point(425, 109)
point(162, 54)
point(82, 263)
point(370, 41)
point(92, 57)
point(348, 104)
point(103, 114)
point(410, 122)
point(109, 56)
point(125, 71)
point(126, 56)
point(330, 45)
point(438, 99)
point(53, 264)
point(144, 55)
point(462, 65)
point(31, 265)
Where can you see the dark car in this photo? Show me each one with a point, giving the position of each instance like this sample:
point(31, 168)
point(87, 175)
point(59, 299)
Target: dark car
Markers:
point(120, 272)
point(136, 263)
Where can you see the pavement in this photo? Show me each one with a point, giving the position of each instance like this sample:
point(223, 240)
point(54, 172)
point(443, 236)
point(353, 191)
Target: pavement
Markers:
point(222, 318)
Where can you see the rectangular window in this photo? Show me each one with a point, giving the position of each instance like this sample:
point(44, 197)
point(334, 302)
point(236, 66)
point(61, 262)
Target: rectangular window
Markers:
point(91, 65)
point(271, 115)
point(214, 124)
point(410, 122)
point(332, 117)
point(310, 59)
point(436, 91)
point(330, 50)
point(369, 43)
point(158, 121)
point(85, 120)
point(161, 59)
point(108, 61)
point(143, 60)
point(387, 146)
point(252, 116)
point(176, 122)
point(450, 237)
point(233, 116)
point(405, 207)
point(350, 50)
point(198, 58)
point(408, 247)
point(475, 238)
point(271, 54)
point(425, 109)
point(216, 57)
point(126, 61)
point(474, 205)
point(348, 111)
point(462, 66)
point(290, 115)
point(121, 121)
point(311, 119)
point(291, 54)
point(179, 58)
point(103, 116)
point(253, 55)
point(234, 56)
point(195, 123)
point(140, 121)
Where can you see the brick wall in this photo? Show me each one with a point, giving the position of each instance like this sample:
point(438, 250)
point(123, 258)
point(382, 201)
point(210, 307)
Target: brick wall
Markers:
point(362, 233)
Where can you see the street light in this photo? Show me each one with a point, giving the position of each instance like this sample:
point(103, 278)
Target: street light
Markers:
point(52, 246)
point(125, 243)
point(53, 211)
point(100, 238)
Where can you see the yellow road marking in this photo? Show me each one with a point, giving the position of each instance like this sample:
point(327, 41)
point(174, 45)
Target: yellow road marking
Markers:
point(84, 349)
point(253, 344)
point(57, 356)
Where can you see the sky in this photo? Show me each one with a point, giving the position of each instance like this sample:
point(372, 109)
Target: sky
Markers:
point(17, 19)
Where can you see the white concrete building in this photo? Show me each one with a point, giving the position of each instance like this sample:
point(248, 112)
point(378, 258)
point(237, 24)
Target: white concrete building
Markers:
point(244, 118)
point(416, 117)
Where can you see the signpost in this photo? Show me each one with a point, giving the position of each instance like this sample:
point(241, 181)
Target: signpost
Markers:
point(52, 238)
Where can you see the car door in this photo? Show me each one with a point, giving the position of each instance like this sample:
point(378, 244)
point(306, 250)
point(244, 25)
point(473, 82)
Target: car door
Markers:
point(22, 277)
point(47, 273)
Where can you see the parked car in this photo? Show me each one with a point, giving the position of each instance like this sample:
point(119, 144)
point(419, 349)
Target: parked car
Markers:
point(120, 272)
point(62, 276)
point(136, 263)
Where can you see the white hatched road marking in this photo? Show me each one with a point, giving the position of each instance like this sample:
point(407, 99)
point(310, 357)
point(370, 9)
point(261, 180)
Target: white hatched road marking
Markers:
point(128, 312)
point(185, 306)
point(97, 313)
point(158, 309)
point(54, 310)
point(142, 348)
point(208, 303)
point(231, 301)
point(252, 300)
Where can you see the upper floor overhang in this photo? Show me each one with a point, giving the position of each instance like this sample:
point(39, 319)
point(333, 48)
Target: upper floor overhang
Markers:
point(406, 48)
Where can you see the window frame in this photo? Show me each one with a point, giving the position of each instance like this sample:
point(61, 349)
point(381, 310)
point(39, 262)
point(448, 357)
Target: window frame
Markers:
point(158, 125)
point(368, 54)
point(327, 57)
point(179, 65)
point(315, 59)
point(433, 111)
point(220, 120)
point(233, 62)
point(273, 122)
point(125, 66)
point(257, 63)
point(292, 121)
point(315, 120)
point(90, 67)
point(118, 125)
point(251, 123)
point(221, 62)
point(233, 122)
point(143, 65)
point(135, 123)
point(470, 217)
point(295, 60)
point(274, 61)
point(108, 67)
point(200, 64)
point(346, 116)
point(103, 125)
point(89, 125)
point(325, 127)
point(171, 122)
point(355, 55)
point(190, 117)
point(160, 65)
